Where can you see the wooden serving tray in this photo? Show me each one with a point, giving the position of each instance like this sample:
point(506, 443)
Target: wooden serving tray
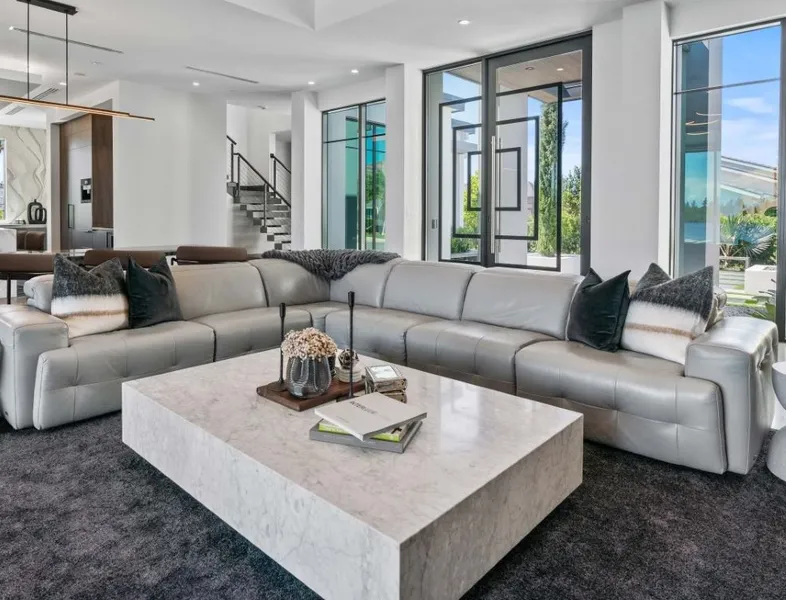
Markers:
point(336, 390)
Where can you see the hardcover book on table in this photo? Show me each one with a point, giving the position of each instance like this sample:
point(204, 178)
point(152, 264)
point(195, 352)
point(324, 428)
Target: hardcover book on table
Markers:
point(365, 416)
point(372, 444)
point(394, 435)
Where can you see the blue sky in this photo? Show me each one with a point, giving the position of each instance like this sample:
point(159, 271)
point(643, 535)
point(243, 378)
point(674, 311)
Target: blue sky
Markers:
point(750, 112)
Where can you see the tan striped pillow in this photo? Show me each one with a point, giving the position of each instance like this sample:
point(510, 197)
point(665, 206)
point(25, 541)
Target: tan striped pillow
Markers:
point(92, 301)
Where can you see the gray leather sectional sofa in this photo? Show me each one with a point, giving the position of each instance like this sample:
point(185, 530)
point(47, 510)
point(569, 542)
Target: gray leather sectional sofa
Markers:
point(498, 328)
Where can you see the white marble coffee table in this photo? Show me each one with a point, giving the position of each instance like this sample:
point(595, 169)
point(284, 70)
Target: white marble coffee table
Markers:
point(484, 470)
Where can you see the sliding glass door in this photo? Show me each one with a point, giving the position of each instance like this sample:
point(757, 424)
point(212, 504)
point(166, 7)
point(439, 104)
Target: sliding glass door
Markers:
point(728, 125)
point(522, 118)
point(353, 177)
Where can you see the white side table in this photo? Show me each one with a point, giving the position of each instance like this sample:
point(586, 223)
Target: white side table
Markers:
point(776, 459)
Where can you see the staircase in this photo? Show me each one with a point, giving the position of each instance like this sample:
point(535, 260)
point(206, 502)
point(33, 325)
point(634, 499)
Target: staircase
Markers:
point(266, 205)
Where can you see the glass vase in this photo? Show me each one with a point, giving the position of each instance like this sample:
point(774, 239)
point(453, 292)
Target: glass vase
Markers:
point(308, 377)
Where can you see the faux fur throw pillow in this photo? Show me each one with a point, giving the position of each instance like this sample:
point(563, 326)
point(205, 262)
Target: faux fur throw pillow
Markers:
point(89, 301)
point(665, 315)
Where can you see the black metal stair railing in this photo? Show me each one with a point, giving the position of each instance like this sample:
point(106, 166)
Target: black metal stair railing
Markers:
point(282, 178)
point(266, 206)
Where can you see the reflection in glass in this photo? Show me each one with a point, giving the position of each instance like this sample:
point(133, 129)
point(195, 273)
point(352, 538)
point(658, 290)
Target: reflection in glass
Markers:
point(726, 164)
point(453, 173)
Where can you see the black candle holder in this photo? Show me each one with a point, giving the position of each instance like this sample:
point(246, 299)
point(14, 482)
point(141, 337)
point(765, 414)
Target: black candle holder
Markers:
point(280, 385)
point(351, 302)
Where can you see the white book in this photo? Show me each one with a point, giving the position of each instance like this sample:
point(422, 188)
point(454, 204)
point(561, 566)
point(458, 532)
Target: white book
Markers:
point(367, 415)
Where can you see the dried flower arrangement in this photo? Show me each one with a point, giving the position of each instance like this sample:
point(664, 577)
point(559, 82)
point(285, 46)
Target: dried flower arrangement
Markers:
point(308, 343)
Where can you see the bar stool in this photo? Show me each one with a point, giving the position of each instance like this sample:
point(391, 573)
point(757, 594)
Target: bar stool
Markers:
point(193, 255)
point(144, 258)
point(20, 266)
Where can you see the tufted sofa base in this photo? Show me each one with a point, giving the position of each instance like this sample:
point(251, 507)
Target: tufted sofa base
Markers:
point(83, 380)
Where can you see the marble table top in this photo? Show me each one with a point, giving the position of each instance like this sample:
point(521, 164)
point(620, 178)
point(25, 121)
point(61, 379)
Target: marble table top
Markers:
point(471, 436)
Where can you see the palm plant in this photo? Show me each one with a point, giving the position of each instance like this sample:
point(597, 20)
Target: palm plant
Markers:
point(741, 237)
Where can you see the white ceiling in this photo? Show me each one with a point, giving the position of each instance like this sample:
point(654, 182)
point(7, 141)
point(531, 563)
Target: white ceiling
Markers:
point(282, 44)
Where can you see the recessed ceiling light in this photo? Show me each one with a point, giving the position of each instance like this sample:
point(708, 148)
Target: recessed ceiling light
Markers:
point(464, 22)
point(96, 62)
point(312, 83)
point(11, 28)
point(195, 84)
point(560, 69)
point(354, 71)
point(63, 83)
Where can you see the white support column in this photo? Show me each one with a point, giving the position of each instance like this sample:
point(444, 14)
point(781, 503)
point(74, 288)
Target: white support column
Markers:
point(631, 170)
point(403, 163)
point(306, 171)
point(53, 185)
point(646, 115)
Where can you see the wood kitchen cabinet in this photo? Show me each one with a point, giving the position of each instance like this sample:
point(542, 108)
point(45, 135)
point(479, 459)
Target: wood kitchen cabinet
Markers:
point(86, 180)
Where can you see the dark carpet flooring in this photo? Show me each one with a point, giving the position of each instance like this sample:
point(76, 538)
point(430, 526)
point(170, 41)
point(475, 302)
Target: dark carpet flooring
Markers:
point(82, 517)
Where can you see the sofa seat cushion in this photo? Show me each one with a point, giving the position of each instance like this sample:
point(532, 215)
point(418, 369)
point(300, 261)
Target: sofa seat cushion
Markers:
point(320, 310)
point(632, 401)
point(252, 330)
point(83, 380)
point(475, 349)
point(379, 332)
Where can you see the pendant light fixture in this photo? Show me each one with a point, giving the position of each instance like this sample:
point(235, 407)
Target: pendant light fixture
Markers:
point(68, 11)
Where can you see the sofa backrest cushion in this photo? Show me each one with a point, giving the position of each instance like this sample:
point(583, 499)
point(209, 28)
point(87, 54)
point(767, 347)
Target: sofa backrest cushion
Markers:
point(428, 288)
point(521, 300)
point(290, 283)
point(367, 281)
point(209, 289)
point(39, 292)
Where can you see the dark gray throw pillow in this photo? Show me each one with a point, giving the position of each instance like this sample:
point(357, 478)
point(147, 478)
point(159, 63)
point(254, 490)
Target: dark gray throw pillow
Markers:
point(152, 297)
point(597, 313)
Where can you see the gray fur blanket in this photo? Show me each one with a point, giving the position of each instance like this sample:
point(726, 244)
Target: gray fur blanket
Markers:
point(331, 264)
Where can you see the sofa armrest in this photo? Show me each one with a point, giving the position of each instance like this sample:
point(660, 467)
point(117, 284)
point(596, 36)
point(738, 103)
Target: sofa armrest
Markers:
point(25, 333)
point(737, 354)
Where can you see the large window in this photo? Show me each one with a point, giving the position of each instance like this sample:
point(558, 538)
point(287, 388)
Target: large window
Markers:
point(728, 119)
point(353, 177)
point(524, 118)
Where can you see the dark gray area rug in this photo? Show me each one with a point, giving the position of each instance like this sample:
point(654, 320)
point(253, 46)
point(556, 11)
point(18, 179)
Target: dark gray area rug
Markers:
point(81, 516)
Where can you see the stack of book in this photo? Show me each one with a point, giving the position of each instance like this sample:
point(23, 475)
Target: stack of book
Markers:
point(373, 421)
point(388, 380)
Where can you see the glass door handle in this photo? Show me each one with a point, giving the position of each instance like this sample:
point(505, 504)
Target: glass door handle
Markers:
point(493, 204)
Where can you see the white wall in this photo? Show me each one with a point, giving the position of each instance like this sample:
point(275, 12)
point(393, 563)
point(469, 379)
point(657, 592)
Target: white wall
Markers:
point(283, 152)
point(688, 19)
point(357, 93)
point(170, 174)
